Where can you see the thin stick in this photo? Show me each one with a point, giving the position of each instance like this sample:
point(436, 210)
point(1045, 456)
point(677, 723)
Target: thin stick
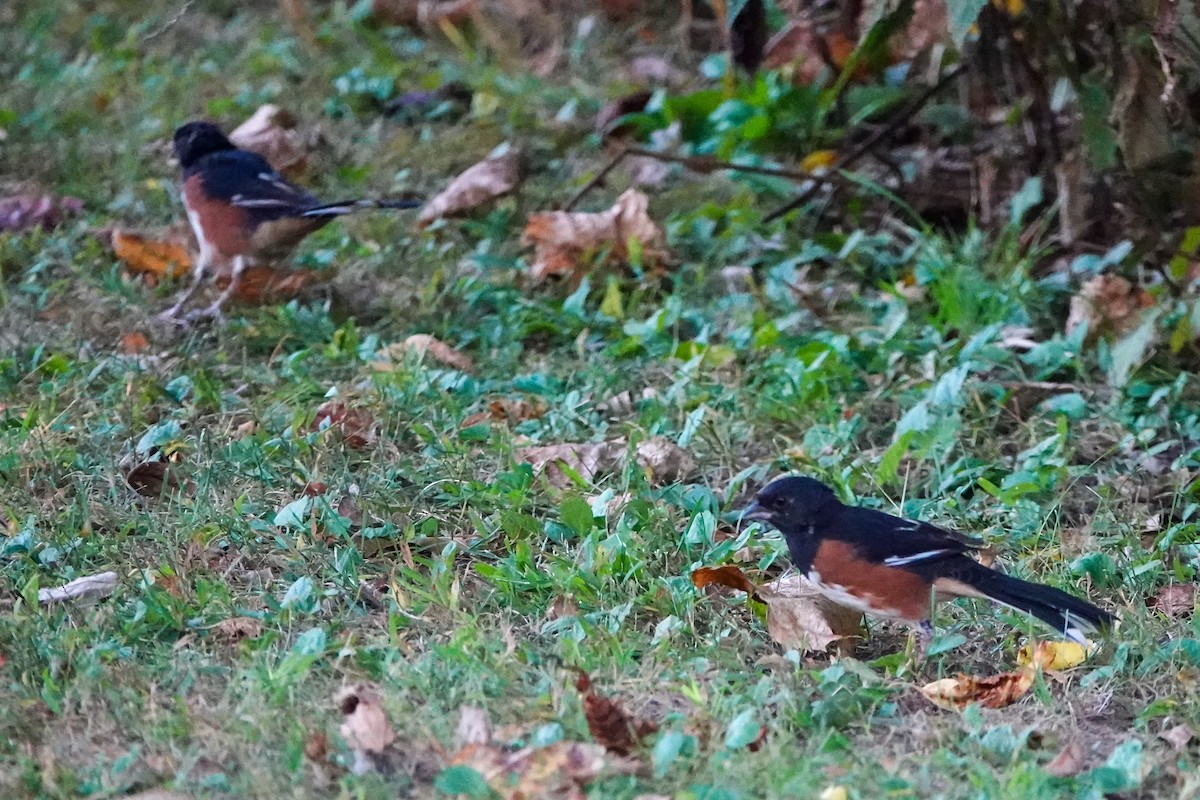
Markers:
point(702, 164)
point(597, 179)
point(867, 144)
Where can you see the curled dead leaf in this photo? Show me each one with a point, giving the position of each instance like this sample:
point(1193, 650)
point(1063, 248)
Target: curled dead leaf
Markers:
point(798, 616)
point(1068, 761)
point(85, 590)
point(610, 725)
point(23, 211)
point(505, 409)
point(424, 343)
point(156, 478)
point(666, 461)
point(366, 728)
point(271, 132)
point(993, 691)
point(479, 184)
point(1175, 600)
point(474, 727)
point(1177, 736)
point(554, 772)
point(160, 255)
point(134, 342)
point(1108, 304)
point(355, 425)
point(235, 629)
point(563, 241)
point(727, 575)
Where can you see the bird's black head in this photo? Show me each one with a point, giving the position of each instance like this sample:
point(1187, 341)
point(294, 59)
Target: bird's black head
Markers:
point(790, 503)
point(195, 140)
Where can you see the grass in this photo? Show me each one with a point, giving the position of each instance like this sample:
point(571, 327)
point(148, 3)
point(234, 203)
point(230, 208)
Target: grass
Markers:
point(436, 565)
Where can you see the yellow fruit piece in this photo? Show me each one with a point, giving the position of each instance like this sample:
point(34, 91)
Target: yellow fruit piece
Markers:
point(818, 159)
point(1054, 656)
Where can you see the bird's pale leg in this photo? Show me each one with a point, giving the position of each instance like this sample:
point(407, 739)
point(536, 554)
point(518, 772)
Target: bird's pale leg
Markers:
point(214, 310)
point(202, 264)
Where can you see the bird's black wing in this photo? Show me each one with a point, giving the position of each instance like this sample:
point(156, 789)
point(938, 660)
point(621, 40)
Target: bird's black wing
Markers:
point(247, 181)
point(885, 539)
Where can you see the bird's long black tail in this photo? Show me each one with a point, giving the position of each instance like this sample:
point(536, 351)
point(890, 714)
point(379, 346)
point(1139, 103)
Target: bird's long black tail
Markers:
point(348, 206)
point(1067, 614)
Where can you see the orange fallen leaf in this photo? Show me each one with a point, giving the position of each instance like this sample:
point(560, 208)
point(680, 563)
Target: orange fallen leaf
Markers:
point(506, 409)
point(480, 184)
point(610, 725)
point(727, 575)
point(555, 772)
point(163, 255)
point(134, 342)
point(563, 241)
point(271, 132)
point(424, 343)
point(355, 425)
point(993, 691)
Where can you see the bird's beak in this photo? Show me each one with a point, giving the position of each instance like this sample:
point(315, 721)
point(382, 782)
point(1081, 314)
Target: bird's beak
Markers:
point(753, 513)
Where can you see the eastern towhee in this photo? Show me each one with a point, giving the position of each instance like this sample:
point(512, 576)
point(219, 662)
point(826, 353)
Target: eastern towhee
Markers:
point(892, 567)
point(242, 210)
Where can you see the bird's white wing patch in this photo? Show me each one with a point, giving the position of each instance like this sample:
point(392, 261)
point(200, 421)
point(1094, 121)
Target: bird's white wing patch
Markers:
point(900, 561)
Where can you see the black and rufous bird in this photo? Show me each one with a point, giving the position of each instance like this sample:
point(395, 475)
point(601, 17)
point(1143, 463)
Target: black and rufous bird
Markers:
point(243, 211)
point(892, 567)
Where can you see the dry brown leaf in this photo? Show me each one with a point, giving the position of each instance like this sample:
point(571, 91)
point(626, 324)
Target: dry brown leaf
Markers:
point(85, 590)
point(134, 342)
point(271, 132)
point(928, 26)
point(151, 478)
point(799, 617)
point(727, 575)
point(161, 255)
point(316, 746)
point(993, 691)
point(396, 12)
point(1108, 304)
point(424, 343)
point(1175, 600)
point(564, 240)
point(587, 459)
point(505, 409)
point(1178, 737)
point(556, 772)
point(614, 729)
point(355, 425)
point(479, 184)
point(474, 727)
point(366, 728)
point(23, 211)
point(235, 629)
point(1068, 761)
point(665, 461)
